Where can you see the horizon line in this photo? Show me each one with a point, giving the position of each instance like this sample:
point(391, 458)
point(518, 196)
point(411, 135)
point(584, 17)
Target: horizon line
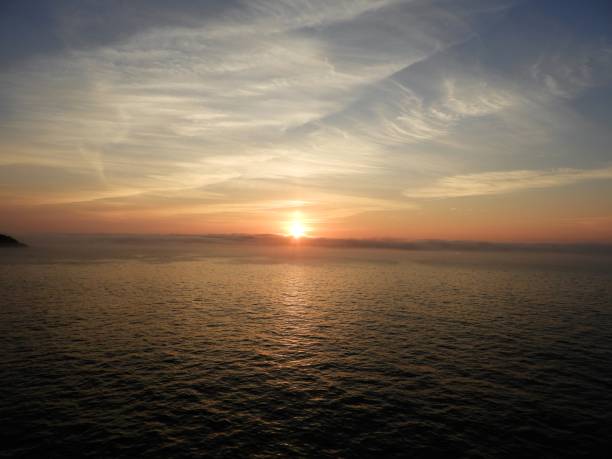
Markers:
point(277, 239)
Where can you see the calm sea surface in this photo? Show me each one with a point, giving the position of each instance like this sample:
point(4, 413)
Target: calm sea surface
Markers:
point(130, 350)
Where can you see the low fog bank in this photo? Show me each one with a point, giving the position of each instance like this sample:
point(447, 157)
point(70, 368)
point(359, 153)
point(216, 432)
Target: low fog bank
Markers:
point(263, 240)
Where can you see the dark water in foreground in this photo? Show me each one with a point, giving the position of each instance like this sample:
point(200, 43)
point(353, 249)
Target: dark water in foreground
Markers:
point(235, 352)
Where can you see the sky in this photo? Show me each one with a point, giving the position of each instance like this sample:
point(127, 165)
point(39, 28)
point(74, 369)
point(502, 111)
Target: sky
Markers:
point(412, 119)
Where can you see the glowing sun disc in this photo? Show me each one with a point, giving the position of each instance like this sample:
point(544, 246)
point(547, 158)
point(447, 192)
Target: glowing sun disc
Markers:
point(297, 230)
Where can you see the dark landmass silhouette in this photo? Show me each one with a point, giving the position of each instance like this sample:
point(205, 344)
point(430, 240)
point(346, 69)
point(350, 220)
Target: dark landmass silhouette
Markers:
point(7, 241)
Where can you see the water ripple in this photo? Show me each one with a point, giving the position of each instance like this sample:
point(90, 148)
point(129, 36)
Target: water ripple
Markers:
point(328, 359)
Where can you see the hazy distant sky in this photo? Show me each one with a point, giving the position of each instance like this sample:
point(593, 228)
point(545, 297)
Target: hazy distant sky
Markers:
point(462, 119)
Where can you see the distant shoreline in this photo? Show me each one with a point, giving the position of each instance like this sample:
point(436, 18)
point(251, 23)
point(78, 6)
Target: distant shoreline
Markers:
point(8, 241)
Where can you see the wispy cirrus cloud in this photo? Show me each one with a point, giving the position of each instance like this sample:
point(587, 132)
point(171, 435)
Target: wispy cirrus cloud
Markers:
point(230, 108)
point(489, 183)
point(188, 105)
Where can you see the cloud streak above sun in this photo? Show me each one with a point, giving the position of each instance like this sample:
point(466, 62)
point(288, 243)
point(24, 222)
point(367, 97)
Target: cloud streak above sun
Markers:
point(201, 118)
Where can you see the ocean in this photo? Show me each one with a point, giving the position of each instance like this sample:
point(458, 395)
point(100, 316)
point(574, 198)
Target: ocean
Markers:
point(124, 348)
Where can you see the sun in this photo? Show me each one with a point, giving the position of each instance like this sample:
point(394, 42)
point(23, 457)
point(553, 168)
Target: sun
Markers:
point(297, 229)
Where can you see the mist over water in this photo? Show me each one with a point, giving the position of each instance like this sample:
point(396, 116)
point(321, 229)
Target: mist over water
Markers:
point(230, 350)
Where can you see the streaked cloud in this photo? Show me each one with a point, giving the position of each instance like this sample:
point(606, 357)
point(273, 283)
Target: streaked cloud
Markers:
point(487, 183)
point(349, 108)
